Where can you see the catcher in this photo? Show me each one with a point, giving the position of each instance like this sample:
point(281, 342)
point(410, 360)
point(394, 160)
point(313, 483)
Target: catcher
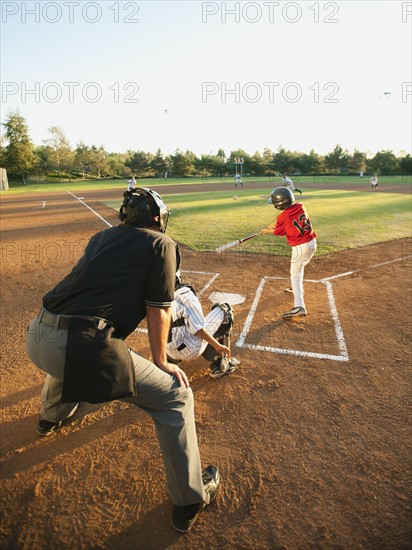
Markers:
point(192, 334)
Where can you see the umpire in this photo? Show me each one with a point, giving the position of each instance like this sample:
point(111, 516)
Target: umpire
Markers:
point(127, 273)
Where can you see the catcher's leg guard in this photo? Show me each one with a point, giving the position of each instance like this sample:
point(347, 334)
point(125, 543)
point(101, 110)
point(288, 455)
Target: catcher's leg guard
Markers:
point(222, 365)
point(209, 353)
point(223, 333)
point(228, 320)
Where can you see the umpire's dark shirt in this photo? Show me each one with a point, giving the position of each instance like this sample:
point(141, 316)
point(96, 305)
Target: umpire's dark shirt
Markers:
point(123, 269)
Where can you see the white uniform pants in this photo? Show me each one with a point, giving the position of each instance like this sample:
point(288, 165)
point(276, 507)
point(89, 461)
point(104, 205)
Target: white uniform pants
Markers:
point(301, 256)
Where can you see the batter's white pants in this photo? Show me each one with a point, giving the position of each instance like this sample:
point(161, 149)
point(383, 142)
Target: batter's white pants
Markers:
point(301, 256)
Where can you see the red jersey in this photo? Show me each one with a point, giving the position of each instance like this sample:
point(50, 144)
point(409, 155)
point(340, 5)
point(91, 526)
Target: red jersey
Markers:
point(294, 222)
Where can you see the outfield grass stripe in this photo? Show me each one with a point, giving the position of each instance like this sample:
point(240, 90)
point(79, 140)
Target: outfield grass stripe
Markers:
point(342, 219)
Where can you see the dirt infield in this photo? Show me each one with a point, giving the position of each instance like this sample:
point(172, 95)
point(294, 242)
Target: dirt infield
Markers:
point(312, 432)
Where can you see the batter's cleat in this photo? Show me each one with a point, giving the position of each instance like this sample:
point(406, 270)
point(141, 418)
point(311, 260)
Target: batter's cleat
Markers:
point(222, 366)
point(295, 312)
point(288, 291)
point(184, 517)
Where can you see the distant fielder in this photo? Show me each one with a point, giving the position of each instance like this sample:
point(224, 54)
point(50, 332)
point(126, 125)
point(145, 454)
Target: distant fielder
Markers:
point(287, 182)
point(131, 184)
point(294, 223)
point(374, 182)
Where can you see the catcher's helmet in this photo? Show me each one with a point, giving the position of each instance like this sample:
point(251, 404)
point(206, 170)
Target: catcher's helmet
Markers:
point(281, 198)
point(144, 207)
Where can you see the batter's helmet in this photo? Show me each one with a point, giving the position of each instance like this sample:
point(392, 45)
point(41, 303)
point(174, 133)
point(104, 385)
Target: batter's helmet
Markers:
point(144, 207)
point(281, 198)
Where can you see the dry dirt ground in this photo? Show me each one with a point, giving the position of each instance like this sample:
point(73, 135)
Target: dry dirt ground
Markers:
point(312, 432)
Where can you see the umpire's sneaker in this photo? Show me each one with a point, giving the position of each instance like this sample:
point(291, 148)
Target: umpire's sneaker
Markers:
point(46, 427)
point(295, 312)
point(184, 517)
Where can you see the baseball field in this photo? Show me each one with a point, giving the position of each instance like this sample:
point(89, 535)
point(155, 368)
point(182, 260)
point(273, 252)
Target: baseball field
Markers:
point(312, 432)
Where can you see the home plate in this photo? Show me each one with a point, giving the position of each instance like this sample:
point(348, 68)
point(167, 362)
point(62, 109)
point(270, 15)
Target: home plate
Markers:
point(232, 299)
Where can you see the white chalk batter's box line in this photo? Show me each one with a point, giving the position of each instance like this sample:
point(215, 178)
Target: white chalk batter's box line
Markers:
point(334, 312)
point(338, 329)
point(331, 299)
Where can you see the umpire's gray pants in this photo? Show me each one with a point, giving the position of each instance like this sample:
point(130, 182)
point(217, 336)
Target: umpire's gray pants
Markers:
point(158, 393)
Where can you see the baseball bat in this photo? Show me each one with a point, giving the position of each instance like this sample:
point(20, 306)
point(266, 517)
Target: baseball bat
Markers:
point(228, 246)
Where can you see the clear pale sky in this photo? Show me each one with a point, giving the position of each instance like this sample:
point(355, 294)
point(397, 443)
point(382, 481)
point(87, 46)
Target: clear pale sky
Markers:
point(208, 75)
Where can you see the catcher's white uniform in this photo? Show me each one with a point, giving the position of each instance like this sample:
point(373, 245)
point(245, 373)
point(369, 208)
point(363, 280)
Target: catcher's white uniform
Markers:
point(188, 318)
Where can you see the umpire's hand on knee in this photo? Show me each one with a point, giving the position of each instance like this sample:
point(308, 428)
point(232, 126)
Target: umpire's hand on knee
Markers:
point(170, 368)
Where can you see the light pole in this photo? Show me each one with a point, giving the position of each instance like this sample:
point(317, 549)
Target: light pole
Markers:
point(166, 115)
point(238, 176)
point(239, 162)
point(223, 157)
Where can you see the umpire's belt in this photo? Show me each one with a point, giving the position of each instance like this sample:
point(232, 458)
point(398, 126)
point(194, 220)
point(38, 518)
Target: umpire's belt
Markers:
point(57, 322)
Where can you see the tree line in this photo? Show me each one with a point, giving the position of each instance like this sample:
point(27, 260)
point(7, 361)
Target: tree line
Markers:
point(55, 159)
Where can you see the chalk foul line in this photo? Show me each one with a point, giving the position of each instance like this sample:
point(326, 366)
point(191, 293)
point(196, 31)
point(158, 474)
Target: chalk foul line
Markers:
point(91, 209)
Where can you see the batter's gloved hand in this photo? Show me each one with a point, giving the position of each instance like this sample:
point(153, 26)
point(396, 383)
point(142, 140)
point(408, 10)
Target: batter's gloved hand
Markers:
point(268, 229)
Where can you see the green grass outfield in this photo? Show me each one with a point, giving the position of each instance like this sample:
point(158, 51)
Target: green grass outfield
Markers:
point(341, 219)
point(203, 221)
point(34, 186)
